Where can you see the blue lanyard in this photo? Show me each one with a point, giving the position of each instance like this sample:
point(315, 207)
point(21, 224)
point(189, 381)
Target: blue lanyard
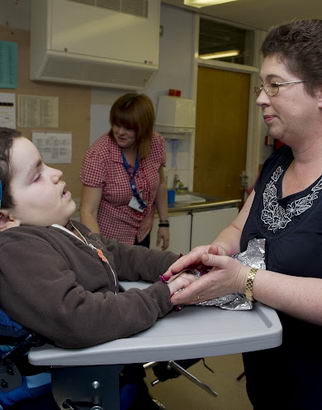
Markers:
point(132, 179)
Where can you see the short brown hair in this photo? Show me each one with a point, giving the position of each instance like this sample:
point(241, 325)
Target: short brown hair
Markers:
point(135, 112)
point(299, 45)
point(7, 135)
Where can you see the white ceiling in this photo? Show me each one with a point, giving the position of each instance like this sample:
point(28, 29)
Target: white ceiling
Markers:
point(259, 14)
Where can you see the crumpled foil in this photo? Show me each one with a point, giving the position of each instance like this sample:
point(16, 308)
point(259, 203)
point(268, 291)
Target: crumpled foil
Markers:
point(254, 257)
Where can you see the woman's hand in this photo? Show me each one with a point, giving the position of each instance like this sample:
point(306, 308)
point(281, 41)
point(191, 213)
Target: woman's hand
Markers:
point(180, 282)
point(163, 238)
point(193, 259)
point(227, 276)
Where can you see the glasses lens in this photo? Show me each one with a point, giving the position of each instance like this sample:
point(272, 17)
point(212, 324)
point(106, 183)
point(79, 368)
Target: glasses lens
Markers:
point(271, 90)
point(257, 90)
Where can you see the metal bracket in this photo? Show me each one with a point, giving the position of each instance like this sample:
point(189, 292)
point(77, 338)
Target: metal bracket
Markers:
point(87, 387)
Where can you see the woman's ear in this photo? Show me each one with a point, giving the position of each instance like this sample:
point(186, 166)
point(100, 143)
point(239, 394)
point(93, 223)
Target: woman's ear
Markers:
point(7, 221)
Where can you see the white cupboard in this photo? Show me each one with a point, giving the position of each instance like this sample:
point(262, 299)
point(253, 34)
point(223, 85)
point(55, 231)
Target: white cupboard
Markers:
point(180, 230)
point(206, 225)
point(193, 228)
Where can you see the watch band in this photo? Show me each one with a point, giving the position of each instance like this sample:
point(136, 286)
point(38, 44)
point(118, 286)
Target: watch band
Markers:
point(249, 284)
point(164, 223)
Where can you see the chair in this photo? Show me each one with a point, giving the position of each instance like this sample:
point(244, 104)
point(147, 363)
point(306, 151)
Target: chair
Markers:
point(16, 384)
point(172, 369)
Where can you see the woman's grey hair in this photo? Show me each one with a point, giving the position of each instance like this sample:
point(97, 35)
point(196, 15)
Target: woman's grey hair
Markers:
point(299, 46)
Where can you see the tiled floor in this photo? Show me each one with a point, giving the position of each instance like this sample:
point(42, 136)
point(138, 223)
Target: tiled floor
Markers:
point(182, 394)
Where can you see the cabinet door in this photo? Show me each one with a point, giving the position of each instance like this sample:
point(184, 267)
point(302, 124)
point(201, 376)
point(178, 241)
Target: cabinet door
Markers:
point(83, 29)
point(180, 230)
point(206, 225)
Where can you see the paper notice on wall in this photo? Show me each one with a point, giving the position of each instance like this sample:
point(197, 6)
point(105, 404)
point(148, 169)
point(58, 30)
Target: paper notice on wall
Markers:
point(37, 111)
point(8, 110)
point(54, 148)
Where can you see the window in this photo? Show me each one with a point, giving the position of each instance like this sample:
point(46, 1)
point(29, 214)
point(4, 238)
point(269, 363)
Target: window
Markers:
point(224, 42)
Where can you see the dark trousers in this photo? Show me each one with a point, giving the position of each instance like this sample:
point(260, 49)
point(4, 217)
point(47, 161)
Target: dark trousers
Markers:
point(145, 242)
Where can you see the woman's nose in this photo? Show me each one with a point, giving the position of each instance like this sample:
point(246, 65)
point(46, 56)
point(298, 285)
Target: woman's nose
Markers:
point(262, 98)
point(122, 130)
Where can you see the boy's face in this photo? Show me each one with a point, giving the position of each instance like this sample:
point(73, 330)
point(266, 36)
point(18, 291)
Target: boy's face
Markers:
point(39, 193)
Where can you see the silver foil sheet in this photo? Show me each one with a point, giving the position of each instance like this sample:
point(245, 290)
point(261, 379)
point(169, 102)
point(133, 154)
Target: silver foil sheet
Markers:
point(254, 257)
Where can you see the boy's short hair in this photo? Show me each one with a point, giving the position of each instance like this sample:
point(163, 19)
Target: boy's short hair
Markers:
point(299, 46)
point(7, 135)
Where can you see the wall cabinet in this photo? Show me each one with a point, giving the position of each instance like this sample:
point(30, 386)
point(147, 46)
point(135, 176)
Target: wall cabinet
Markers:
point(74, 41)
point(193, 228)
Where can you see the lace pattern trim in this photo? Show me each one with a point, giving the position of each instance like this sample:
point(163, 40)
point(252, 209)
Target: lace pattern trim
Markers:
point(273, 215)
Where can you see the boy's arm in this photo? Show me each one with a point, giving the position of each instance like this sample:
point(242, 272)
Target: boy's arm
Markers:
point(135, 263)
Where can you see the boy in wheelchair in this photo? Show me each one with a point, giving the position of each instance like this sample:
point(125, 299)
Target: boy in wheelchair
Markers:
point(61, 281)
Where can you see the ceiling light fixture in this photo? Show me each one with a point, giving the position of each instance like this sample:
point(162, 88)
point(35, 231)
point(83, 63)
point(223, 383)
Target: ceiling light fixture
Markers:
point(204, 3)
point(219, 54)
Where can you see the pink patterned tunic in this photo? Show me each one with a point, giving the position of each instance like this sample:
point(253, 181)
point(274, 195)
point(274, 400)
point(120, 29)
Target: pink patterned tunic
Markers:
point(103, 168)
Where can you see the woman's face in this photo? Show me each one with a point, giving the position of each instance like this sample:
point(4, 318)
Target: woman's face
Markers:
point(39, 193)
point(292, 113)
point(124, 137)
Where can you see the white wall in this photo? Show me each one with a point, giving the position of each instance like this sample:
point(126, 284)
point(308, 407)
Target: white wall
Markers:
point(15, 14)
point(176, 54)
point(175, 71)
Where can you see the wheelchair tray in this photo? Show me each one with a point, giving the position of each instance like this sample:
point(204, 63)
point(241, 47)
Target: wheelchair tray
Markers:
point(193, 332)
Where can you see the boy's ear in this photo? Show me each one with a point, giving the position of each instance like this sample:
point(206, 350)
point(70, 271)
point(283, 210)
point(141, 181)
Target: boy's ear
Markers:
point(319, 96)
point(6, 221)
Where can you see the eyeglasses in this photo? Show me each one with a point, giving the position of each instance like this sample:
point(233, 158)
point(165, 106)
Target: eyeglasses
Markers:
point(272, 89)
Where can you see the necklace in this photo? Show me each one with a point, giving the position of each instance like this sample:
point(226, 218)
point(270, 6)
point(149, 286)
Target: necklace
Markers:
point(99, 252)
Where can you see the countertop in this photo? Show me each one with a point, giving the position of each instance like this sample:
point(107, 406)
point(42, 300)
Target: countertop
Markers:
point(210, 203)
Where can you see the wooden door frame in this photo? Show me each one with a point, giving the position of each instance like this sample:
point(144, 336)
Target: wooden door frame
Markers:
point(256, 129)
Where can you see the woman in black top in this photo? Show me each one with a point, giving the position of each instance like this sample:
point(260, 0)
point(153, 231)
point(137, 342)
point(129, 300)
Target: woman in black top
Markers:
point(285, 208)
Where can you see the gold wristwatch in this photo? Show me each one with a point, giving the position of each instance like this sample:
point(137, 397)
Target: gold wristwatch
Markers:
point(249, 284)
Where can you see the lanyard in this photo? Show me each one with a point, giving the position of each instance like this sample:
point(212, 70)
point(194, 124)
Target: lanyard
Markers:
point(132, 179)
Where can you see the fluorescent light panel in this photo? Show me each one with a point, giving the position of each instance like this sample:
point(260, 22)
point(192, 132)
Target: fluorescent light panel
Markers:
point(205, 3)
point(219, 54)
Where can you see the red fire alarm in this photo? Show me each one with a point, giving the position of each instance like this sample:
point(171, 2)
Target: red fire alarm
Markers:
point(174, 93)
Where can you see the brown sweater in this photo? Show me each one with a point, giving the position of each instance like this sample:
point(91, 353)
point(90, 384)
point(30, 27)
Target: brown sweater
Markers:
point(57, 286)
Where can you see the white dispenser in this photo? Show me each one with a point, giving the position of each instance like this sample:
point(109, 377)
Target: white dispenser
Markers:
point(175, 115)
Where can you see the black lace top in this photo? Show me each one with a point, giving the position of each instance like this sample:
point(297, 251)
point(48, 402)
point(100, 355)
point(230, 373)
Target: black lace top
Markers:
point(288, 377)
point(291, 225)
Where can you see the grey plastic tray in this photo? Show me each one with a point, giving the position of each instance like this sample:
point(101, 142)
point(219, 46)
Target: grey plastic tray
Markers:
point(193, 332)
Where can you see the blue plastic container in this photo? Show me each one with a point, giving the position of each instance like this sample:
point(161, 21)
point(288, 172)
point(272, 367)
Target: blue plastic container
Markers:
point(171, 196)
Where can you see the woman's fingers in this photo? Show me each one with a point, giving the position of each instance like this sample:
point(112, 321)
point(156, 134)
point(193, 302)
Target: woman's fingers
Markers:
point(180, 282)
point(226, 276)
point(217, 249)
point(191, 294)
point(186, 261)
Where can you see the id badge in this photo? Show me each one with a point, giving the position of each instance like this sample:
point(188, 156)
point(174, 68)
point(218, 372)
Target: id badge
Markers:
point(134, 204)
